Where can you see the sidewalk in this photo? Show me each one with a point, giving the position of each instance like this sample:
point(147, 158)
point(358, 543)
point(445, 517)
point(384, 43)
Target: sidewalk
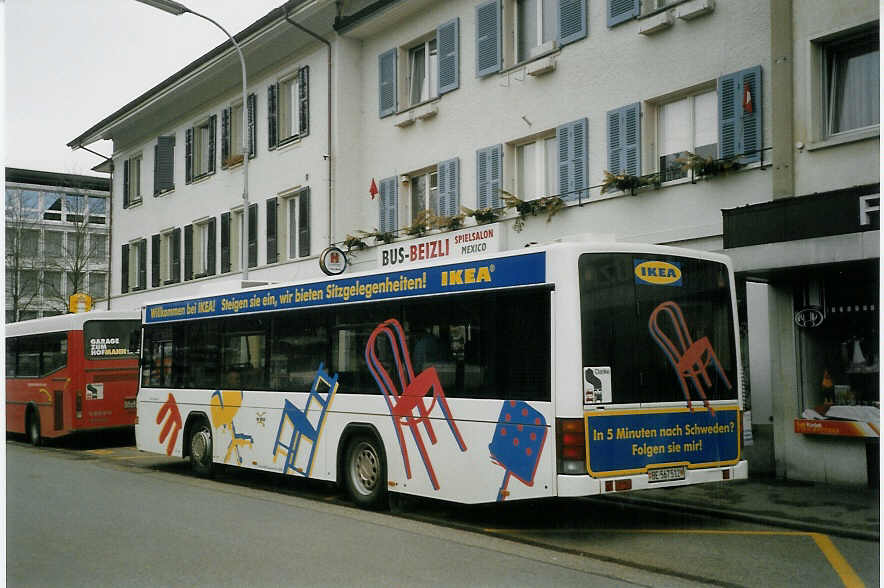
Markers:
point(806, 506)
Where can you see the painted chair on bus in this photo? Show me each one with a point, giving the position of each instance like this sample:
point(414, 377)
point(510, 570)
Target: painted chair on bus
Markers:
point(690, 359)
point(223, 405)
point(302, 428)
point(407, 394)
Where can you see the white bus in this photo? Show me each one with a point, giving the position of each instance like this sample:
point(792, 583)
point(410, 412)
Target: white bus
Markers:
point(570, 369)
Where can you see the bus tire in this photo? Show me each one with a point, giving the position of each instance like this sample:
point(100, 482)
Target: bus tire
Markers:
point(365, 473)
point(201, 448)
point(33, 428)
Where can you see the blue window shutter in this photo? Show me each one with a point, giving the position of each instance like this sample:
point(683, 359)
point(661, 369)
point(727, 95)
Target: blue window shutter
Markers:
point(188, 252)
point(740, 131)
point(304, 101)
point(622, 10)
point(387, 83)
point(253, 235)
point(213, 123)
point(272, 93)
point(141, 283)
point(304, 222)
point(624, 140)
point(176, 256)
point(225, 243)
point(272, 247)
point(225, 135)
point(488, 38)
point(188, 155)
point(447, 43)
point(210, 270)
point(573, 145)
point(155, 261)
point(126, 183)
point(164, 164)
point(388, 205)
point(252, 105)
point(489, 170)
point(449, 187)
point(572, 21)
point(124, 269)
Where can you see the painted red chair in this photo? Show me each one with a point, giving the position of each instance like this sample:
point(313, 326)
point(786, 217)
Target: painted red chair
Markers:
point(406, 395)
point(689, 358)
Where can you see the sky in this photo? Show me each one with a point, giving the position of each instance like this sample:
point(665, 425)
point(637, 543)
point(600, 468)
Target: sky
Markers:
point(68, 64)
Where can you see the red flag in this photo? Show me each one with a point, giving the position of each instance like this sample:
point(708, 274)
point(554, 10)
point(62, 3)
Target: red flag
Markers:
point(747, 99)
point(373, 190)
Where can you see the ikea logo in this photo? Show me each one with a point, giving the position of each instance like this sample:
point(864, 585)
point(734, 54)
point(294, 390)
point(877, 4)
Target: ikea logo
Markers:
point(470, 275)
point(658, 273)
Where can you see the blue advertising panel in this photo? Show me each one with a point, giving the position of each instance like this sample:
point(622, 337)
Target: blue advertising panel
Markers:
point(518, 270)
point(631, 441)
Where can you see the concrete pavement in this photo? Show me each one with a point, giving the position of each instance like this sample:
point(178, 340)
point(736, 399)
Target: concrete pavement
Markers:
point(806, 506)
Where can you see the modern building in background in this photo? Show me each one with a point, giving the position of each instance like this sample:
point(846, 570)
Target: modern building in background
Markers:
point(57, 233)
point(386, 128)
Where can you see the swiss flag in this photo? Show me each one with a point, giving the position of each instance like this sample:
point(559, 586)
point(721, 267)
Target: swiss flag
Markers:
point(747, 99)
point(373, 190)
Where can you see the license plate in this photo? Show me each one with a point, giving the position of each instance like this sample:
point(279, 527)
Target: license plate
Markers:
point(129, 403)
point(666, 474)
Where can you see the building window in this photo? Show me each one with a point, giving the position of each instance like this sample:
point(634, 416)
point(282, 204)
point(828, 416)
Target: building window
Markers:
point(163, 165)
point(97, 210)
point(231, 132)
point(52, 203)
point(689, 124)
point(132, 180)
point(851, 84)
point(288, 109)
point(199, 249)
point(97, 284)
point(296, 211)
point(535, 27)
point(424, 194)
point(52, 285)
point(98, 247)
point(53, 244)
point(420, 70)
point(423, 72)
point(514, 31)
point(200, 149)
point(537, 169)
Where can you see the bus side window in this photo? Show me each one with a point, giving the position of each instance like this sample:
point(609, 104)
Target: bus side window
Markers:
point(10, 357)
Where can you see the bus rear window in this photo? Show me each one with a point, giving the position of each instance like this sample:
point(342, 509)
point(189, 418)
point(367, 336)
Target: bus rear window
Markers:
point(112, 339)
point(662, 325)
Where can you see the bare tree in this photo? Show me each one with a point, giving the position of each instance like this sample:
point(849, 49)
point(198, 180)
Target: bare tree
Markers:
point(23, 263)
point(85, 247)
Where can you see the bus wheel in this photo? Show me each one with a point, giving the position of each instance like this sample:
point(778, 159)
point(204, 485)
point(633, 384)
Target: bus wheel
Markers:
point(201, 449)
point(365, 474)
point(34, 428)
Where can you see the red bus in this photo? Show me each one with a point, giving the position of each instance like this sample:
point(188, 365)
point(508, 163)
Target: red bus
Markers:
point(73, 372)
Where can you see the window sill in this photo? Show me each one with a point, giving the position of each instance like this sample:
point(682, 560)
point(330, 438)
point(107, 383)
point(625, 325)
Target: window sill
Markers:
point(289, 142)
point(555, 50)
point(161, 194)
point(201, 178)
point(844, 138)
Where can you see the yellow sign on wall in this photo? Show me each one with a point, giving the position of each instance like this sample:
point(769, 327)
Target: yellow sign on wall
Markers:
point(80, 302)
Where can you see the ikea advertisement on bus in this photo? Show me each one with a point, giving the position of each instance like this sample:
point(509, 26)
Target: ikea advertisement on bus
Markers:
point(521, 270)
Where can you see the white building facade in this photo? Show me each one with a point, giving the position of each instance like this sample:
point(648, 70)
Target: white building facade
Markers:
point(627, 119)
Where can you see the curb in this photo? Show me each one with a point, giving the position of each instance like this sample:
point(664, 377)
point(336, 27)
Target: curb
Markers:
point(750, 517)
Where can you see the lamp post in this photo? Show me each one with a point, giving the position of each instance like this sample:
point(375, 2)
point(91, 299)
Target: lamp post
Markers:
point(177, 8)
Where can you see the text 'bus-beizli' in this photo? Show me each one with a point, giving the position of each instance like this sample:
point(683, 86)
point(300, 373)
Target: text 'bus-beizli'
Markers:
point(569, 369)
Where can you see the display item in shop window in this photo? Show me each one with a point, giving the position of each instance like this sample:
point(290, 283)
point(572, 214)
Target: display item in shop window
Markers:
point(828, 387)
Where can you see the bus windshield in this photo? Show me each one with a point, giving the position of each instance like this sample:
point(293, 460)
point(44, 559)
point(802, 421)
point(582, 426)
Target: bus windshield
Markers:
point(114, 339)
point(662, 326)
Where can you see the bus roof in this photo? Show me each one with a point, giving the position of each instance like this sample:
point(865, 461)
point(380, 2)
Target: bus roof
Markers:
point(518, 267)
point(67, 322)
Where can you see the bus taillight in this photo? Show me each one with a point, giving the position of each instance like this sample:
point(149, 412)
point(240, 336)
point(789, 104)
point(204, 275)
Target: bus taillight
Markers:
point(571, 441)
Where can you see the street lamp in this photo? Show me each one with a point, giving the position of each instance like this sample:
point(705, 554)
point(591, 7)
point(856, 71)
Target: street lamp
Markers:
point(177, 8)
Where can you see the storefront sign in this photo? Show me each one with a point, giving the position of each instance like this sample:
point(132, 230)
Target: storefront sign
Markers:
point(834, 428)
point(80, 302)
point(632, 441)
point(810, 317)
point(473, 242)
point(332, 261)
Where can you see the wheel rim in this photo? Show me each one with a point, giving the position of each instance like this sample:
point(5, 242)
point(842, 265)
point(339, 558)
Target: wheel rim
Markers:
point(364, 468)
point(200, 446)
